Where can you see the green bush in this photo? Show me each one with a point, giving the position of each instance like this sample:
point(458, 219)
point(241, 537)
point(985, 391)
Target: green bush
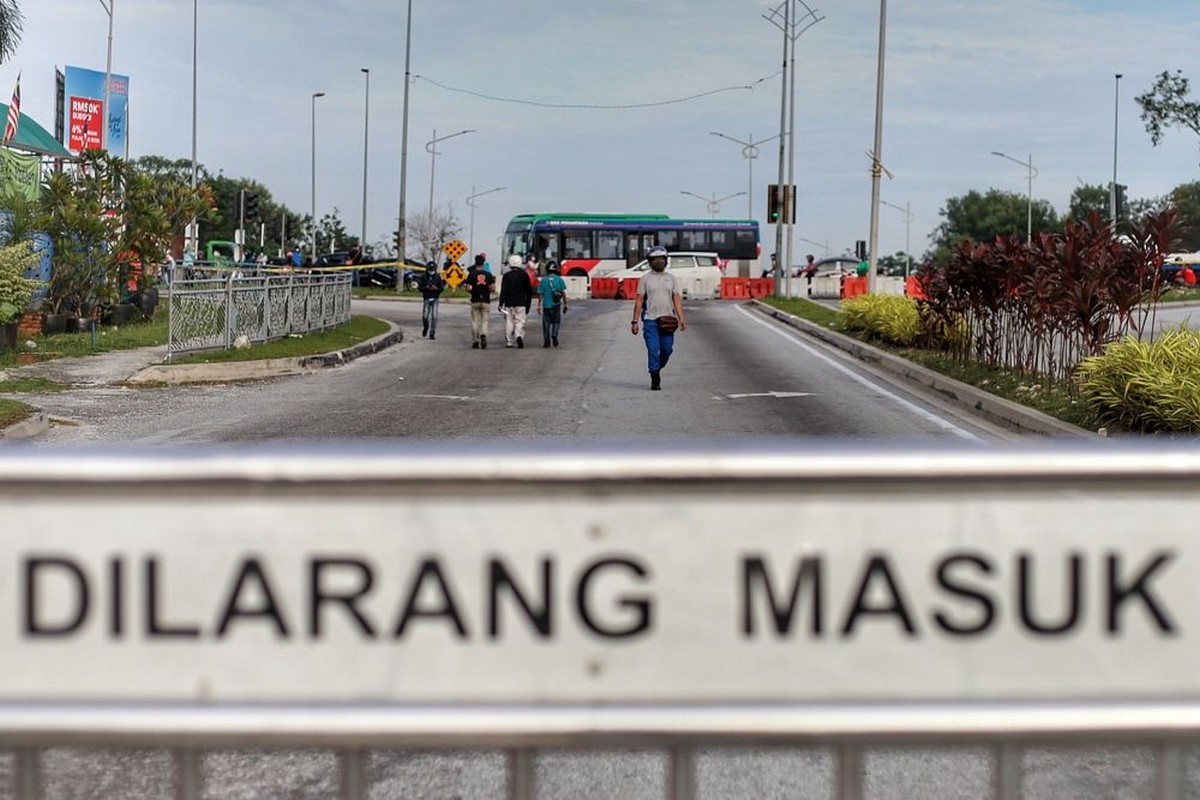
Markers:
point(1146, 387)
point(890, 317)
point(15, 289)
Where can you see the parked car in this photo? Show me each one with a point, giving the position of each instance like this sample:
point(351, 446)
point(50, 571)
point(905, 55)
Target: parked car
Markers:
point(686, 266)
point(832, 265)
point(339, 258)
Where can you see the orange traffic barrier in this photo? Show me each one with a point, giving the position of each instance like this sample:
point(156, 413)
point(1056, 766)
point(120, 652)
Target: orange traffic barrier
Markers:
point(761, 287)
point(912, 288)
point(603, 288)
point(853, 287)
point(735, 288)
point(627, 289)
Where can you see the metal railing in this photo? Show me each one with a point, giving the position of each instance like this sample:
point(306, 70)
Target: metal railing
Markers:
point(210, 308)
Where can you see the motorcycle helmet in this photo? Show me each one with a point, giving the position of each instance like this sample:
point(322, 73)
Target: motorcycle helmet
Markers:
point(431, 266)
point(514, 261)
point(552, 266)
point(657, 256)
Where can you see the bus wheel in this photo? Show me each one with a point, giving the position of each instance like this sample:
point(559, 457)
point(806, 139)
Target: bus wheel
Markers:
point(577, 273)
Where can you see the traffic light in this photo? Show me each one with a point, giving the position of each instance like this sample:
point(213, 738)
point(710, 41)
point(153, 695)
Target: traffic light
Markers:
point(251, 205)
point(1121, 200)
point(860, 249)
point(398, 238)
point(774, 204)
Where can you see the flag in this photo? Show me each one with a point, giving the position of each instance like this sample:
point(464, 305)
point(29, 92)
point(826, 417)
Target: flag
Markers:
point(14, 113)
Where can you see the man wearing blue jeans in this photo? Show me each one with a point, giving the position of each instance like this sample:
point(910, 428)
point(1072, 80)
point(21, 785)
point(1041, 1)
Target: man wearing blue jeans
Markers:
point(431, 286)
point(659, 301)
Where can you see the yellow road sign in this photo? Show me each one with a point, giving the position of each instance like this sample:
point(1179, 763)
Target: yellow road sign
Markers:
point(455, 249)
point(454, 276)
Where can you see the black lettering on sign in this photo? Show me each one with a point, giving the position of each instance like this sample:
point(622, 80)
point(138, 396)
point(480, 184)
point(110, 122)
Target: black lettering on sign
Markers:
point(1120, 592)
point(154, 624)
point(1073, 600)
point(116, 617)
point(37, 568)
point(446, 608)
point(948, 578)
point(756, 579)
point(639, 604)
point(896, 606)
point(319, 595)
point(251, 575)
point(500, 576)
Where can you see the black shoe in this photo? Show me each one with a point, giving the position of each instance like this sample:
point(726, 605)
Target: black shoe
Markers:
point(655, 381)
point(483, 343)
point(520, 342)
point(424, 330)
point(432, 337)
point(555, 340)
point(545, 344)
point(474, 345)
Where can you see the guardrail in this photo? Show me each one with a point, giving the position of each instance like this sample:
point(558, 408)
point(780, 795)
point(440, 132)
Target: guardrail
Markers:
point(211, 307)
point(677, 600)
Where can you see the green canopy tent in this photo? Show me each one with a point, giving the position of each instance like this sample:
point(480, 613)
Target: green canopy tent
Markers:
point(33, 138)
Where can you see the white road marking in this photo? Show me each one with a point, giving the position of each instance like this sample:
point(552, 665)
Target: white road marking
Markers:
point(769, 394)
point(438, 396)
point(936, 420)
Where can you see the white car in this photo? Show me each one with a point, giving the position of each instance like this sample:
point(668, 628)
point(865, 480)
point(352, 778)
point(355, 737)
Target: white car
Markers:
point(698, 273)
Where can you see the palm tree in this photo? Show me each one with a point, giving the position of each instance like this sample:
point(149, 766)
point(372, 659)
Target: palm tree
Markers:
point(11, 24)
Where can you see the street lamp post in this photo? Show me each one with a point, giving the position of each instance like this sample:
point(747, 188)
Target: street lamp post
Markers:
point(315, 95)
point(1032, 174)
point(877, 154)
point(1112, 193)
point(714, 202)
point(749, 152)
point(431, 148)
point(401, 228)
point(471, 202)
point(362, 239)
point(193, 237)
point(108, 7)
point(907, 226)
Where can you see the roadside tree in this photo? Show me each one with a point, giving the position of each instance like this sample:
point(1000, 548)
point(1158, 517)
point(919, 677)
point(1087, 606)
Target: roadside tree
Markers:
point(981, 218)
point(430, 230)
point(1167, 105)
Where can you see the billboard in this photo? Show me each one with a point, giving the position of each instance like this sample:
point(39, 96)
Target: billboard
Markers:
point(84, 114)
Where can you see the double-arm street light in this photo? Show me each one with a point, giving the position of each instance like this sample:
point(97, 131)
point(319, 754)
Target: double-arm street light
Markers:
point(471, 202)
point(431, 148)
point(362, 239)
point(749, 152)
point(1032, 174)
point(714, 202)
point(1112, 190)
point(315, 95)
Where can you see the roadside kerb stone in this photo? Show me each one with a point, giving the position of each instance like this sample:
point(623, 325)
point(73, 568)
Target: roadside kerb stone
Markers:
point(983, 404)
point(33, 425)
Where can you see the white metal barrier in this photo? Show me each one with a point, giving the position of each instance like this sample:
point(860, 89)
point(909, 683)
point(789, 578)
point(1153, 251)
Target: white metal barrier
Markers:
point(674, 600)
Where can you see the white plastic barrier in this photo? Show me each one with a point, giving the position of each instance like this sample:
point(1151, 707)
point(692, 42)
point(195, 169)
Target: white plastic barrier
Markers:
point(577, 287)
point(701, 288)
point(824, 287)
point(889, 284)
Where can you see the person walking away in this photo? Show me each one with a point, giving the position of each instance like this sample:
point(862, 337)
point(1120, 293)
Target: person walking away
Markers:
point(516, 296)
point(479, 283)
point(552, 303)
point(659, 310)
point(531, 269)
point(431, 285)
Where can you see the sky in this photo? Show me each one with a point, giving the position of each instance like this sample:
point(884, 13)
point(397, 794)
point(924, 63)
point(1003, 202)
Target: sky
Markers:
point(583, 106)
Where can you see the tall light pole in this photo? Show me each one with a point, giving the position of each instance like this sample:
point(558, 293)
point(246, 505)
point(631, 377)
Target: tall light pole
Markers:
point(315, 95)
point(793, 24)
point(471, 202)
point(108, 7)
point(431, 148)
point(401, 228)
point(749, 152)
point(362, 239)
point(907, 225)
point(1112, 192)
point(193, 237)
point(1032, 174)
point(714, 202)
point(877, 153)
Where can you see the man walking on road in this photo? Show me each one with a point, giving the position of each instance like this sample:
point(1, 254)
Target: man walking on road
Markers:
point(552, 303)
point(479, 283)
point(516, 295)
point(431, 286)
point(659, 309)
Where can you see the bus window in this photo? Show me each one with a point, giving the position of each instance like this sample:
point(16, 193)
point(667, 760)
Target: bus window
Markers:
point(669, 240)
point(721, 241)
point(609, 244)
point(577, 244)
point(747, 245)
point(694, 240)
point(547, 247)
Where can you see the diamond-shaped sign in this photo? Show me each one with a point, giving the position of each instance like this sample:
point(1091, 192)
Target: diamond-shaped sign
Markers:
point(455, 249)
point(454, 275)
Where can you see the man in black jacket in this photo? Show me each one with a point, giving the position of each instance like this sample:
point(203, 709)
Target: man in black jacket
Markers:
point(479, 283)
point(516, 296)
point(431, 286)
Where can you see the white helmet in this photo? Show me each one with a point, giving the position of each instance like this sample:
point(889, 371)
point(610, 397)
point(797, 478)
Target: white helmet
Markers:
point(514, 261)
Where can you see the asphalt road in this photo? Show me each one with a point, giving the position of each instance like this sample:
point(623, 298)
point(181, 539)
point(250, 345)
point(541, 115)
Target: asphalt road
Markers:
point(735, 375)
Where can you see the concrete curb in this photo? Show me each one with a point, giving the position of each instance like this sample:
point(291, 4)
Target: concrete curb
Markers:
point(988, 406)
point(174, 374)
point(33, 425)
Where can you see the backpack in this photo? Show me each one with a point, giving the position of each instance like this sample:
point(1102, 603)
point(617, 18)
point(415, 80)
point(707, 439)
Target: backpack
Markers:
point(557, 294)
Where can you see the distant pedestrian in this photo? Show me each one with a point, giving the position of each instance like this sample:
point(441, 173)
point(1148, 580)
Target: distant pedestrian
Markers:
point(531, 269)
point(516, 296)
point(769, 271)
point(431, 286)
point(552, 303)
point(659, 310)
point(479, 283)
point(297, 258)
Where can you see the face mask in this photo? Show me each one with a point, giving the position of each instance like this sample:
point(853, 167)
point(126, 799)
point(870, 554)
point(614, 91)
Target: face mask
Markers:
point(658, 264)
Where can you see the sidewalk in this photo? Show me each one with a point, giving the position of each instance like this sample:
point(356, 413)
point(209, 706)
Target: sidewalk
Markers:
point(146, 366)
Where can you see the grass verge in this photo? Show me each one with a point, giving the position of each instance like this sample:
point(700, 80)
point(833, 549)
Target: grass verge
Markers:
point(358, 329)
point(13, 411)
point(108, 337)
point(1053, 398)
